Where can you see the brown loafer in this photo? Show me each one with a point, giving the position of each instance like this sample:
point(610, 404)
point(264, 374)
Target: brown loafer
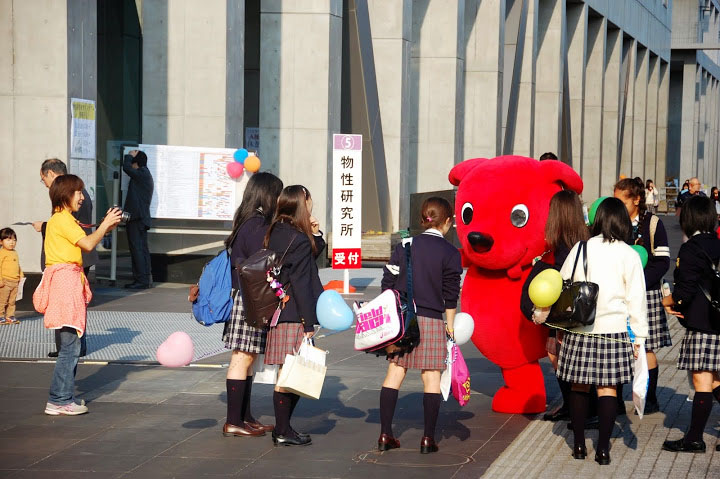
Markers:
point(260, 426)
point(240, 431)
point(427, 445)
point(386, 442)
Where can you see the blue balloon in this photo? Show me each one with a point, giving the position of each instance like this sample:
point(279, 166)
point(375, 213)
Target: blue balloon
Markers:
point(332, 311)
point(240, 155)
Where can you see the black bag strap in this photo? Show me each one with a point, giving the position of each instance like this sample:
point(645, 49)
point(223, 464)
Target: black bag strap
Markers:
point(282, 258)
point(581, 248)
point(714, 269)
point(408, 261)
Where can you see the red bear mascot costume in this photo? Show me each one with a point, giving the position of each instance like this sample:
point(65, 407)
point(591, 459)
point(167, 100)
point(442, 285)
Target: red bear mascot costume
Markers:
point(501, 208)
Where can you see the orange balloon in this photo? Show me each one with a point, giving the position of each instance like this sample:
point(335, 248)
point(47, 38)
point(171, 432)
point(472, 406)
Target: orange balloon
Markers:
point(622, 177)
point(252, 164)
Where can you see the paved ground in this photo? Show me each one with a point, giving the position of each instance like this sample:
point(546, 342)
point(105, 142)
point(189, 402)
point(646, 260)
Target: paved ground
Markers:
point(150, 421)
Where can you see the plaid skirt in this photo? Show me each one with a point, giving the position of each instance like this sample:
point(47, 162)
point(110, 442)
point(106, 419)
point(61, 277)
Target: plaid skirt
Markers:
point(431, 351)
point(285, 338)
point(597, 359)
point(699, 352)
point(240, 336)
point(658, 332)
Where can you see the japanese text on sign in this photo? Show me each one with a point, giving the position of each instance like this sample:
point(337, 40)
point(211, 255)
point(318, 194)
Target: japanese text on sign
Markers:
point(347, 201)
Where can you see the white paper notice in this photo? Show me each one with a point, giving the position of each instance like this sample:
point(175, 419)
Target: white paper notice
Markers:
point(82, 128)
point(20, 287)
point(86, 170)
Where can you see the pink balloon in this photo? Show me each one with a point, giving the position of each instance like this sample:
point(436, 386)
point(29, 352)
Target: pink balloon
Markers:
point(176, 351)
point(234, 169)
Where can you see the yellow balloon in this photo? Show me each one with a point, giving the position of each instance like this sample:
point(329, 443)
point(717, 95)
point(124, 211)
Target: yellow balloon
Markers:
point(252, 164)
point(545, 288)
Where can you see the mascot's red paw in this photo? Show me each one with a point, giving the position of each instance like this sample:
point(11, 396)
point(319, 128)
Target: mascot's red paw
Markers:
point(524, 393)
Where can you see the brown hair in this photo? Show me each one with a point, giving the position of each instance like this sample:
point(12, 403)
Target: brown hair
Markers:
point(565, 223)
point(434, 212)
point(635, 188)
point(62, 191)
point(292, 209)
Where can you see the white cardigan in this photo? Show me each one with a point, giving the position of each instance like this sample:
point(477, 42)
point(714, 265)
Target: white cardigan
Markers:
point(618, 271)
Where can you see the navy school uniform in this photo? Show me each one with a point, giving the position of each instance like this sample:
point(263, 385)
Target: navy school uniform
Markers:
point(437, 268)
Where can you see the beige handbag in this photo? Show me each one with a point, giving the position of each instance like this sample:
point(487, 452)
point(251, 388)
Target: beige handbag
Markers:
point(304, 373)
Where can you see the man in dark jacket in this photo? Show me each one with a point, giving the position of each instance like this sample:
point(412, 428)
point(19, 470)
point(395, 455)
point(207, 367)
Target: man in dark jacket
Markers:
point(137, 203)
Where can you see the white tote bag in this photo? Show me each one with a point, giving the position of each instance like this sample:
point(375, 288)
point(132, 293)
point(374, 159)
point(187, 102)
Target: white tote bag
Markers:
point(640, 382)
point(264, 373)
point(446, 377)
point(304, 373)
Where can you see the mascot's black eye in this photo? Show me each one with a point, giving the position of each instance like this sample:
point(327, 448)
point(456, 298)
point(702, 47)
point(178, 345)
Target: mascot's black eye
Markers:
point(519, 216)
point(467, 213)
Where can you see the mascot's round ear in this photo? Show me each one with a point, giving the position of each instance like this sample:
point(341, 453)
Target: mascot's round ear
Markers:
point(556, 171)
point(459, 171)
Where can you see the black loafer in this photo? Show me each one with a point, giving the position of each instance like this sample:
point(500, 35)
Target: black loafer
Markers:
point(602, 457)
point(579, 451)
point(53, 354)
point(557, 415)
point(290, 440)
point(681, 446)
point(717, 448)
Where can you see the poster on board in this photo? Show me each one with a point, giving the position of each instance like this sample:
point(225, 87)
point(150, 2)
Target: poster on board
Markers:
point(190, 182)
point(86, 170)
point(82, 128)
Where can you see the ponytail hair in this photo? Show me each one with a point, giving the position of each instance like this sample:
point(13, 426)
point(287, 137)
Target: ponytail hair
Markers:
point(434, 212)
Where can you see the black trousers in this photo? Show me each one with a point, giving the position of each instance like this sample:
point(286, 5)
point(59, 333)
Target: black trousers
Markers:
point(139, 251)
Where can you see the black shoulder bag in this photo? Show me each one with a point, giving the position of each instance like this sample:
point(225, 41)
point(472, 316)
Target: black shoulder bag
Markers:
point(578, 300)
point(411, 338)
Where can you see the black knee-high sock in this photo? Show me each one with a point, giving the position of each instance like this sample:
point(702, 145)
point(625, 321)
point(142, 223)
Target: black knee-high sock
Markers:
point(235, 399)
point(431, 407)
point(716, 393)
point(293, 403)
point(565, 391)
point(593, 400)
point(652, 386)
point(578, 411)
point(246, 413)
point(701, 408)
point(282, 402)
point(619, 398)
point(388, 400)
point(607, 412)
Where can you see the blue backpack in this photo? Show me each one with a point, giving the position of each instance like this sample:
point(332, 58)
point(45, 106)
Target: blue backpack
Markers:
point(214, 301)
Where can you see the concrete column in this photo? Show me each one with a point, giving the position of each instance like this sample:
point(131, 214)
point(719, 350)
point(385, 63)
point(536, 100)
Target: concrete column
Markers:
point(713, 143)
point(628, 103)
point(702, 125)
point(696, 121)
point(300, 92)
point(640, 112)
point(687, 123)
point(662, 123)
point(184, 72)
point(593, 138)
point(484, 69)
point(47, 55)
point(577, 53)
point(651, 119)
point(391, 29)
point(436, 92)
point(549, 77)
point(610, 147)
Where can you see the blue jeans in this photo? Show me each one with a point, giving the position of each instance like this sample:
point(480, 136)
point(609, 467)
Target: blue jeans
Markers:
point(62, 386)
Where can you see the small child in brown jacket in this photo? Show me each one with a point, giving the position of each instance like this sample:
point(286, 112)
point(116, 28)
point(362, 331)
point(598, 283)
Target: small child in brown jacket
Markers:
point(10, 275)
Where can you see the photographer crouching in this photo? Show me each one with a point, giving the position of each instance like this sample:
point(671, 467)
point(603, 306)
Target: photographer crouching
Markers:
point(137, 204)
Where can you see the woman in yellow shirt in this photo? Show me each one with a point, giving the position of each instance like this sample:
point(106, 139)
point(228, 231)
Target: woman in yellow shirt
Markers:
point(63, 293)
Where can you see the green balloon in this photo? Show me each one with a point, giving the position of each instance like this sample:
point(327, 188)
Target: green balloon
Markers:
point(642, 252)
point(593, 209)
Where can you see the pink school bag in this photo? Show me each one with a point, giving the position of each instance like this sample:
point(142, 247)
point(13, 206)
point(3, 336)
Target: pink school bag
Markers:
point(460, 381)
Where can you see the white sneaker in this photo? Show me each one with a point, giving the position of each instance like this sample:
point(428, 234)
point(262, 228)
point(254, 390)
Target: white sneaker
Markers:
point(69, 409)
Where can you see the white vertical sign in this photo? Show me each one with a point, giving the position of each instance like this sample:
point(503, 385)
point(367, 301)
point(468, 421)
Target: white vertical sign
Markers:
point(347, 202)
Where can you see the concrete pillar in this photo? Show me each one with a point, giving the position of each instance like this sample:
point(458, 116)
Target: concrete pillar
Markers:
point(300, 100)
point(628, 104)
point(713, 143)
point(662, 123)
point(577, 53)
point(640, 112)
point(550, 67)
point(687, 122)
point(184, 72)
point(391, 30)
point(47, 55)
point(593, 138)
point(651, 119)
point(702, 125)
point(611, 112)
point(436, 92)
point(484, 69)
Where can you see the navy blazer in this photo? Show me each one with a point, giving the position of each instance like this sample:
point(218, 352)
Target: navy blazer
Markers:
point(140, 191)
point(300, 271)
point(693, 268)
